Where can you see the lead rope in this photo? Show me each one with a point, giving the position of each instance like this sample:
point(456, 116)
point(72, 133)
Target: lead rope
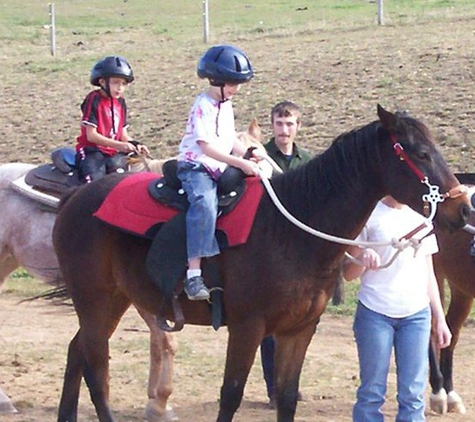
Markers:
point(399, 244)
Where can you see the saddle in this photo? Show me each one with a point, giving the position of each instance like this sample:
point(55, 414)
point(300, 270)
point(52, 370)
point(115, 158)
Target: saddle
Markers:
point(168, 189)
point(48, 182)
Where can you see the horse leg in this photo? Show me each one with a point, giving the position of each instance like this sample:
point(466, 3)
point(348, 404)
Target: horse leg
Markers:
point(6, 405)
point(338, 297)
point(243, 341)
point(459, 309)
point(8, 264)
point(89, 349)
point(438, 397)
point(68, 405)
point(160, 382)
point(289, 357)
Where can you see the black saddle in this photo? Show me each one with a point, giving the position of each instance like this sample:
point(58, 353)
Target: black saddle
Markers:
point(168, 189)
point(56, 177)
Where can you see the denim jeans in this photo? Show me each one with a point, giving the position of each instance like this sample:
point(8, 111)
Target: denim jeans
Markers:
point(376, 335)
point(201, 216)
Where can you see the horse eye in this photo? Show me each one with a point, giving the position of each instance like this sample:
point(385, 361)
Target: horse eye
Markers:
point(422, 155)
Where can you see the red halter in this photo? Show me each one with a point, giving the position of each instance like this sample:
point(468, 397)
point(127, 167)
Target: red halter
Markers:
point(433, 197)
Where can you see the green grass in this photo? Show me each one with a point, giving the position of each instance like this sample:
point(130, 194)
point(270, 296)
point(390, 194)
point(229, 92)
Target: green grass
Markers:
point(22, 285)
point(182, 20)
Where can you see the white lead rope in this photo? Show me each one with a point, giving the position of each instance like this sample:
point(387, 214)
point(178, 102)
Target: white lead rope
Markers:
point(399, 244)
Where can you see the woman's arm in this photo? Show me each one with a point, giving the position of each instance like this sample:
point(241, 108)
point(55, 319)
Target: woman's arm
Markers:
point(444, 336)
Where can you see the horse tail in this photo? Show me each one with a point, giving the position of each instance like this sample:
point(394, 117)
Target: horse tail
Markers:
point(58, 295)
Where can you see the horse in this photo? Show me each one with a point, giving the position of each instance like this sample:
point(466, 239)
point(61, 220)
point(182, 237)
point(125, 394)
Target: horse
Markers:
point(104, 267)
point(26, 241)
point(453, 264)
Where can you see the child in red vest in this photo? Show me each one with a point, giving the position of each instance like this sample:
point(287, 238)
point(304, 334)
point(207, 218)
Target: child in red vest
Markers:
point(104, 142)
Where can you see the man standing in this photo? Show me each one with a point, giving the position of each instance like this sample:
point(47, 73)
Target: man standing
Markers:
point(285, 122)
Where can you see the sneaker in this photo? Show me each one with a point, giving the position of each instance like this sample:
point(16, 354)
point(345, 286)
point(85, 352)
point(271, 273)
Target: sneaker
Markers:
point(195, 288)
point(472, 249)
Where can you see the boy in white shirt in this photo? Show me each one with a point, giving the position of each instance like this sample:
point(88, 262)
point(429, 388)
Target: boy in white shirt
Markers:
point(210, 144)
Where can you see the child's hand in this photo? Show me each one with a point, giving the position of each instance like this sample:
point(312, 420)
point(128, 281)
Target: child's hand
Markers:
point(250, 168)
point(142, 150)
point(258, 155)
point(126, 147)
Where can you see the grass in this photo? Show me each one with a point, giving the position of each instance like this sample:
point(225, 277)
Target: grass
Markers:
point(182, 20)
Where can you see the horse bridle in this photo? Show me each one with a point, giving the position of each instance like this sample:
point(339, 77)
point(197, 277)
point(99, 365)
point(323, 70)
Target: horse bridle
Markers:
point(434, 196)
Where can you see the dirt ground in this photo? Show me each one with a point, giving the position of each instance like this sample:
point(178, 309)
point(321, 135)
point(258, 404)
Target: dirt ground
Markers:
point(337, 75)
point(33, 345)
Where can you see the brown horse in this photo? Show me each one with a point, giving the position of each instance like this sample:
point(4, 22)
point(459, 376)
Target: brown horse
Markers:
point(279, 282)
point(454, 264)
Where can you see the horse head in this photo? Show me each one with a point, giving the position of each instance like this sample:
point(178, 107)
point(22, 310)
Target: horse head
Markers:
point(252, 138)
point(414, 145)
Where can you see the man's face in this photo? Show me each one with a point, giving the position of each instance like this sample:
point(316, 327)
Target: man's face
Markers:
point(285, 129)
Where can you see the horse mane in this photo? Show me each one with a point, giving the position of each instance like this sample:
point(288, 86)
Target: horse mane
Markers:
point(332, 173)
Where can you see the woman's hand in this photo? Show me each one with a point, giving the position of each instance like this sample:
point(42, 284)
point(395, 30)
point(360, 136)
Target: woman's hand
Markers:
point(370, 259)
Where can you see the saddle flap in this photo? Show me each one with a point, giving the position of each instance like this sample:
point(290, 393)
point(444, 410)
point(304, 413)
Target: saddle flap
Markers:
point(48, 178)
point(161, 191)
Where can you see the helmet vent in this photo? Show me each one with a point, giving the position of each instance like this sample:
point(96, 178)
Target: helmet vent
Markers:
point(237, 64)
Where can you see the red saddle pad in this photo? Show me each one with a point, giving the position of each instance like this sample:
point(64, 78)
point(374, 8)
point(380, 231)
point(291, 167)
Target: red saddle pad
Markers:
point(130, 207)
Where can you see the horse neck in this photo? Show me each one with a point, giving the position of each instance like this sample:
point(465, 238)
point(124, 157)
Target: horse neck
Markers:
point(337, 191)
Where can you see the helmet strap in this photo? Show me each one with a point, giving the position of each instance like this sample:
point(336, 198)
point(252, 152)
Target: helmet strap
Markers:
point(107, 88)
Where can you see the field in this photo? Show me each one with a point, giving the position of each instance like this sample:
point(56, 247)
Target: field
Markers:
point(331, 57)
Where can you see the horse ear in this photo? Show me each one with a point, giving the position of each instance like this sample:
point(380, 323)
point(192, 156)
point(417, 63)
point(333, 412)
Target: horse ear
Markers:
point(389, 120)
point(255, 130)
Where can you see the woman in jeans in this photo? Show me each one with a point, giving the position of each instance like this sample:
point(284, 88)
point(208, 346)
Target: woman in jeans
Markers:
point(395, 306)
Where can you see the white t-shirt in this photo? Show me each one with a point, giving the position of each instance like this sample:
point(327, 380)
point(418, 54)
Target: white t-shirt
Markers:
point(209, 121)
point(401, 289)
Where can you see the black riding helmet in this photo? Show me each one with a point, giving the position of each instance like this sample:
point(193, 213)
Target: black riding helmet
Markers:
point(111, 66)
point(223, 64)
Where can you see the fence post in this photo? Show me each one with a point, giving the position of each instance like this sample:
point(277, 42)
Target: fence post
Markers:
point(380, 12)
point(205, 21)
point(52, 30)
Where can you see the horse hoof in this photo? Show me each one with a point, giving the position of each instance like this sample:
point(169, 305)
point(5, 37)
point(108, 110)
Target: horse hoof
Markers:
point(438, 402)
point(155, 415)
point(455, 403)
point(171, 415)
point(7, 407)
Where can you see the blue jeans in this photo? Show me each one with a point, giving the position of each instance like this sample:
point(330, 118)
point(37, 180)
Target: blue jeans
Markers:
point(201, 216)
point(375, 336)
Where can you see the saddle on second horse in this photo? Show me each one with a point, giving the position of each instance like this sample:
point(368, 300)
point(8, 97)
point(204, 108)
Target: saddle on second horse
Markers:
point(48, 182)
